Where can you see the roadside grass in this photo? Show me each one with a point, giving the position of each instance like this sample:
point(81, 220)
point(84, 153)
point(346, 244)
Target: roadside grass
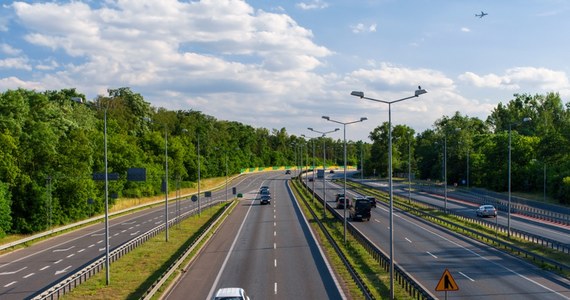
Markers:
point(132, 275)
point(374, 277)
point(558, 256)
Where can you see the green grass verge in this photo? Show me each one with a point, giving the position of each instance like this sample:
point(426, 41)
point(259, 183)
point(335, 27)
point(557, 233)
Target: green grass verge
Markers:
point(135, 272)
point(549, 253)
point(375, 278)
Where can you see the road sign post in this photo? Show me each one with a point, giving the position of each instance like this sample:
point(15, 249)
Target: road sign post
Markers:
point(446, 283)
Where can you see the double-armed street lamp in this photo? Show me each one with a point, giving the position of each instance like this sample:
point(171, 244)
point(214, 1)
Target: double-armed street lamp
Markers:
point(323, 134)
point(417, 93)
point(509, 203)
point(344, 188)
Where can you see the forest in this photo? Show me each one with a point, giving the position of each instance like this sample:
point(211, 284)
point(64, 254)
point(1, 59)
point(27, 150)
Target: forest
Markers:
point(52, 142)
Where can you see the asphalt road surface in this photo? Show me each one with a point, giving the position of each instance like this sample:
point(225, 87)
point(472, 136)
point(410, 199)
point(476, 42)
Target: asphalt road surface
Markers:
point(268, 250)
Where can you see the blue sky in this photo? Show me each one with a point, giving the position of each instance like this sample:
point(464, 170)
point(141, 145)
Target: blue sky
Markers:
point(276, 64)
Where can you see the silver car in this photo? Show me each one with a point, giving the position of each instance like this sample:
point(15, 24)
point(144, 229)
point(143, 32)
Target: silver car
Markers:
point(486, 210)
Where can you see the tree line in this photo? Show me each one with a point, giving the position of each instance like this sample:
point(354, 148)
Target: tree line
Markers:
point(52, 142)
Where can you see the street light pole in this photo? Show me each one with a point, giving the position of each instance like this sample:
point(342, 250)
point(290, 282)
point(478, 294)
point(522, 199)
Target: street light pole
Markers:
point(107, 263)
point(344, 188)
point(509, 203)
point(417, 93)
point(323, 134)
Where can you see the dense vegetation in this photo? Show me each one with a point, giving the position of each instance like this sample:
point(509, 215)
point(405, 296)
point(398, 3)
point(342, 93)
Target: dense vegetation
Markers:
point(51, 144)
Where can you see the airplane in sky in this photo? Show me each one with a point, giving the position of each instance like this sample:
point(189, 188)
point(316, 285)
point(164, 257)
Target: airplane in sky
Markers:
point(481, 15)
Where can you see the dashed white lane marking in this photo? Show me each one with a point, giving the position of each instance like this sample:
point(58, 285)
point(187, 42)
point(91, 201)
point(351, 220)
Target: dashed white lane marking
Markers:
point(431, 254)
point(274, 245)
point(44, 268)
point(275, 263)
point(466, 276)
point(9, 284)
point(376, 220)
point(135, 233)
point(70, 255)
point(31, 274)
point(57, 262)
point(79, 251)
point(407, 239)
point(275, 288)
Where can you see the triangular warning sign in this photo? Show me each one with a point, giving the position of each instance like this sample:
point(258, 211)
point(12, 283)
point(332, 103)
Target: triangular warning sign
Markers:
point(446, 283)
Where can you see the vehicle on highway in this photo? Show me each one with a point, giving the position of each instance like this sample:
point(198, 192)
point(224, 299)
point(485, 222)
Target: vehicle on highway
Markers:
point(372, 200)
point(486, 210)
point(360, 209)
point(331, 171)
point(287, 172)
point(230, 294)
point(338, 196)
point(265, 199)
point(311, 179)
point(340, 202)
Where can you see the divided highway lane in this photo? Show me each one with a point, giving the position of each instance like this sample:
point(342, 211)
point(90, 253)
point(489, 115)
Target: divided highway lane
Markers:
point(556, 232)
point(266, 249)
point(481, 272)
point(26, 271)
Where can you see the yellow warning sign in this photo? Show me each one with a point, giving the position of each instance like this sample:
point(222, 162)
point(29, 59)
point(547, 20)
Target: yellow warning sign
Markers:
point(446, 283)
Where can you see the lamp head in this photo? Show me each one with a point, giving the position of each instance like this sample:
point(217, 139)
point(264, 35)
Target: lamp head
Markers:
point(363, 119)
point(77, 99)
point(357, 94)
point(419, 91)
point(310, 128)
point(326, 118)
point(336, 129)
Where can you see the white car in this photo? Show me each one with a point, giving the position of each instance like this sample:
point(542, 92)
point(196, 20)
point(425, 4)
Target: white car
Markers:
point(486, 211)
point(233, 293)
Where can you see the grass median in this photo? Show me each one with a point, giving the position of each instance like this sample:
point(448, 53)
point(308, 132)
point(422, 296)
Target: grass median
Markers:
point(374, 277)
point(133, 274)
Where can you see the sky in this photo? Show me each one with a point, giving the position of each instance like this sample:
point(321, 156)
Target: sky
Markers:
point(286, 63)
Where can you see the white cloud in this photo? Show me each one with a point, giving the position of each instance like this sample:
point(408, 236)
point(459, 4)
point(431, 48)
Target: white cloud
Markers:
point(13, 83)
point(465, 29)
point(361, 27)
point(20, 63)
point(525, 78)
point(9, 50)
point(315, 4)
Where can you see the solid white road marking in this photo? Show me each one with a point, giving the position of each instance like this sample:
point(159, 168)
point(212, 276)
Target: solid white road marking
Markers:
point(62, 271)
point(13, 272)
point(63, 250)
point(466, 276)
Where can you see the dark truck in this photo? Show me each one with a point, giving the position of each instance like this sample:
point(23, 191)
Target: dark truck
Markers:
point(360, 209)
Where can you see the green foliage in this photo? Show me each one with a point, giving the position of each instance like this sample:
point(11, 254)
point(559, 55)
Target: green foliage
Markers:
point(5, 210)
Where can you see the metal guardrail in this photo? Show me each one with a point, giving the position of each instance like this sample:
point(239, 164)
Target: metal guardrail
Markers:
point(69, 282)
point(405, 280)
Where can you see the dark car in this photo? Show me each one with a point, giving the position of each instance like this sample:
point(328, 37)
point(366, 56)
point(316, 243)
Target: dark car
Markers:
point(486, 210)
point(287, 171)
point(311, 179)
point(360, 209)
point(265, 199)
point(331, 171)
point(340, 202)
point(372, 200)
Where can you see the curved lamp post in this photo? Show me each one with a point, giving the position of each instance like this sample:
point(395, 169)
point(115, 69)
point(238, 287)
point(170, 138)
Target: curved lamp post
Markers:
point(323, 134)
point(417, 93)
point(344, 189)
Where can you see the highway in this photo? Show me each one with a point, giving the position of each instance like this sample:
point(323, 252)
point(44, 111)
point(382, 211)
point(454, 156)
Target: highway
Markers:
point(268, 250)
point(459, 206)
point(481, 272)
point(26, 271)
